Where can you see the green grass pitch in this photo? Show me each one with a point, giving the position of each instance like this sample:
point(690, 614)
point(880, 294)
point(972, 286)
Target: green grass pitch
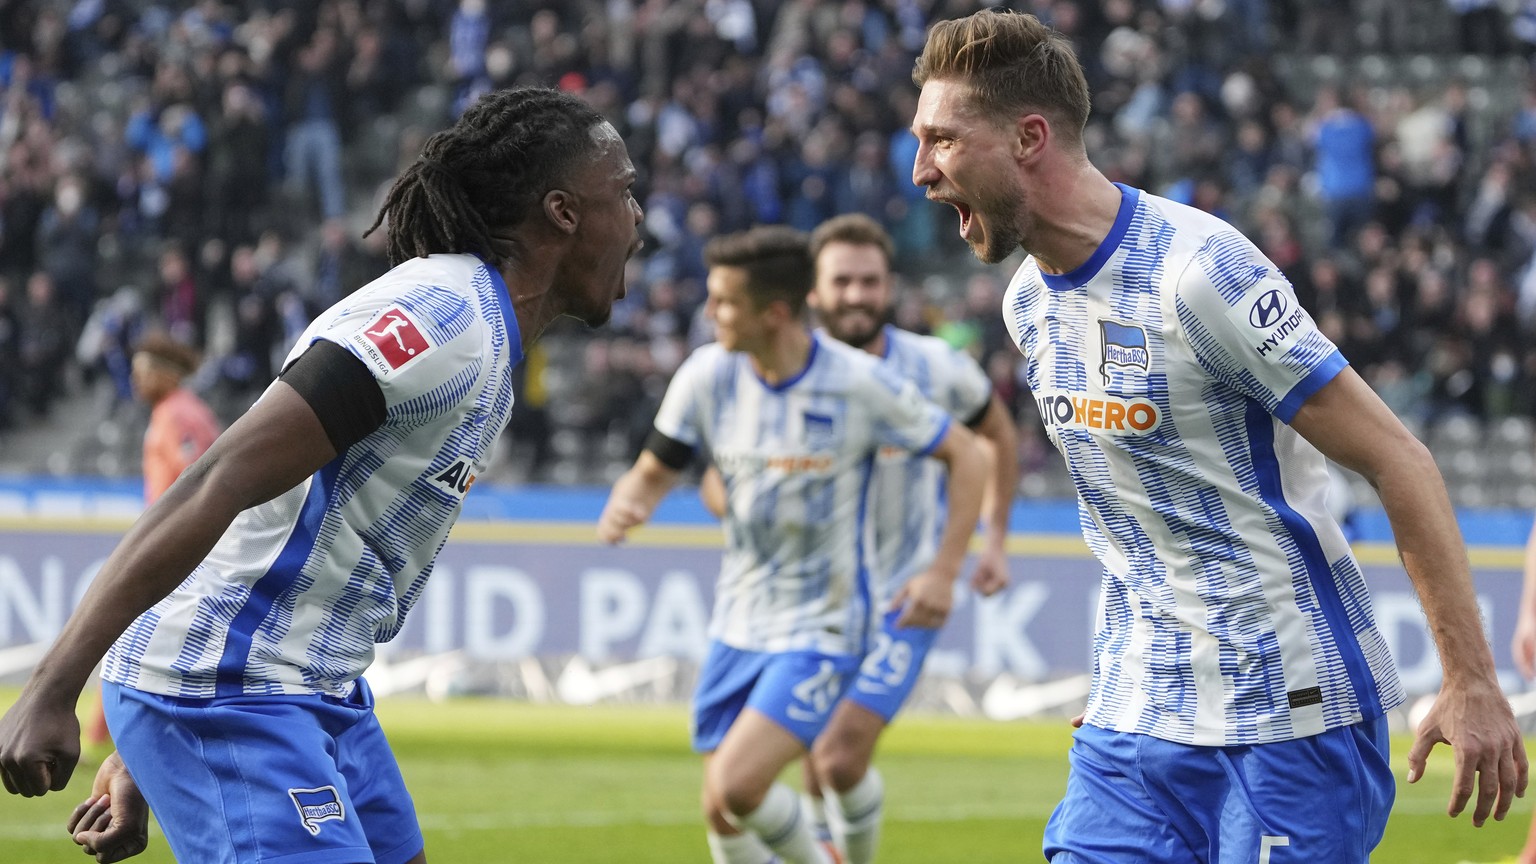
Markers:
point(505, 781)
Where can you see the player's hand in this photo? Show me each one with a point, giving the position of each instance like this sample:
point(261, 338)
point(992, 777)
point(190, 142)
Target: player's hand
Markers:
point(113, 823)
point(39, 745)
point(991, 573)
point(1524, 645)
point(1490, 755)
point(618, 517)
point(925, 600)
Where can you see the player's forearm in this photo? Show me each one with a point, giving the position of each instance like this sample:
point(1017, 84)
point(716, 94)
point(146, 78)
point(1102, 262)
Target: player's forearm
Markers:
point(152, 559)
point(1434, 555)
point(643, 489)
point(1528, 594)
point(967, 479)
point(1003, 478)
point(636, 494)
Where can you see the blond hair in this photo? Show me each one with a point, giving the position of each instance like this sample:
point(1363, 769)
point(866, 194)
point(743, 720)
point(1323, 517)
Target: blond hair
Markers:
point(1013, 64)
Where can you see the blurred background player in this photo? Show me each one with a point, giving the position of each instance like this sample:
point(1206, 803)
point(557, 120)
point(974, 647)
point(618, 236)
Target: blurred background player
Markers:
point(181, 428)
point(181, 425)
point(853, 298)
point(307, 532)
point(794, 422)
point(1240, 685)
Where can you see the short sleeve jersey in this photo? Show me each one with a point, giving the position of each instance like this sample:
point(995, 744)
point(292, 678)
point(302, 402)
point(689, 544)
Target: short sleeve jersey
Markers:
point(294, 596)
point(1166, 369)
point(181, 428)
point(797, 459)
point(910, 497)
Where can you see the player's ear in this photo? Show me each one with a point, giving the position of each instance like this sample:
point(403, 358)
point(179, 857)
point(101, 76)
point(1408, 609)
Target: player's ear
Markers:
point(777, 312)
point(561, 211)
point(1032, 132)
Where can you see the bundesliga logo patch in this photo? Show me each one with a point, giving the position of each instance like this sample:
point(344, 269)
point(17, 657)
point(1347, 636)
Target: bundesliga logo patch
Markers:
point(392, 340)
point(1125, 347)
point(318, 805)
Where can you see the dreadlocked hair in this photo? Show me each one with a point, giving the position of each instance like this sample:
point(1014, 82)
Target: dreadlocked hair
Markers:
point(488, 170)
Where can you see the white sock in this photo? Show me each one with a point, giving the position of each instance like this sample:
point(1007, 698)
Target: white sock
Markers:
point(815, 808)
point(743, 848)
point(780, 824)
point(861, 809)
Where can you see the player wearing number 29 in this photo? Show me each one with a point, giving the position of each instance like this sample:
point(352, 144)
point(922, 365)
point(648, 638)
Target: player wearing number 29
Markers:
point(795, 421)
point(1240, 686)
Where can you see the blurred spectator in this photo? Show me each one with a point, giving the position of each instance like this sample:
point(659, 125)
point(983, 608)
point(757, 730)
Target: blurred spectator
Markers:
point(312, 157)
point(45, 339)
point(181, 303)
point(165, 123)
point(66, 240)
point(1346, 174)
point(1431, 142)
point(343, 264)
point(247, 369)
point(10, 353)
point(107, 339)
point(238, 178)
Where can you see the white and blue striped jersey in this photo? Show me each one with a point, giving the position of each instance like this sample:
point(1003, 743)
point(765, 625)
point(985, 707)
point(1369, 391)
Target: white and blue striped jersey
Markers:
point(909, 500)
point(1166, 369)
point(797, 459)
point(294, 596)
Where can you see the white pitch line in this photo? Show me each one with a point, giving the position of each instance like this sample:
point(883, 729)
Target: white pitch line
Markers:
point(611, 818)
point(614, 818)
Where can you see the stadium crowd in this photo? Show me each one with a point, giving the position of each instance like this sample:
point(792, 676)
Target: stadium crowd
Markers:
point(208, 167)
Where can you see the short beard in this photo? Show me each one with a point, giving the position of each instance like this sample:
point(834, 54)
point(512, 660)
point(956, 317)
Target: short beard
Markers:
point(1003, 209)
point(1000, 244)
point(860, 340)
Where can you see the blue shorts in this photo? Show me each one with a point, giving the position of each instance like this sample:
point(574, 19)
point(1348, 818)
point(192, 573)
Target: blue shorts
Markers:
point(1323, 799)
point(891, 669)
point(266, 778)
point(795, 689)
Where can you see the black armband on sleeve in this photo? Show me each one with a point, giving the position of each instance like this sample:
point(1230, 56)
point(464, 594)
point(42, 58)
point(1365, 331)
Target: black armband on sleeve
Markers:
point(341, 391)
point(673, 453)
point(973, 422)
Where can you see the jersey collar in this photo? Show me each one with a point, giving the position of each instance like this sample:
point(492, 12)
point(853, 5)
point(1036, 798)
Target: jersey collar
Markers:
point(810, 360)
point(1090, 268)
point(508, 315)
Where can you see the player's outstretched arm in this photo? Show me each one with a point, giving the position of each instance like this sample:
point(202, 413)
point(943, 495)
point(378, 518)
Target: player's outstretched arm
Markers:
point(1352, 426)
point(635, 496)
point(998, 434)
point(274, 447)
point(1524, 646)
point(926, 598)
point(113, 823)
